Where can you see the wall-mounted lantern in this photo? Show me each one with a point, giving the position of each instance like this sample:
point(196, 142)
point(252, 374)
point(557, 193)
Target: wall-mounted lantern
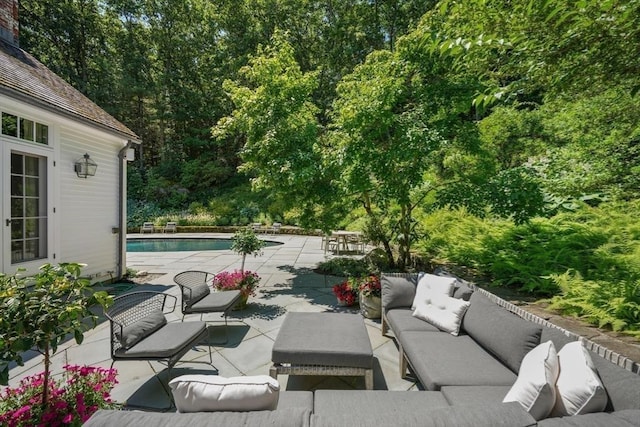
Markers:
point(85, 167)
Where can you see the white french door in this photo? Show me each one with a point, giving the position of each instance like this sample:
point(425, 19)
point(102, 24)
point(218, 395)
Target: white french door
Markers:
point(25, 207)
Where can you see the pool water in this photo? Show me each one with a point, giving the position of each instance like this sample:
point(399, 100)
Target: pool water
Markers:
point(181, 244)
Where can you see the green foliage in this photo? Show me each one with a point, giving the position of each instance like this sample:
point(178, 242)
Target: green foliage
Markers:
point(42, 311)
point(612, 304)
point(346, 267)
point(587, 260)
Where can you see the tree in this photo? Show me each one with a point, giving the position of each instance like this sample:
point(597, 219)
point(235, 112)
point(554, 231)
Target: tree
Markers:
point(42, 311)
point(277, 123)
point(381, 141)
point(246, 242)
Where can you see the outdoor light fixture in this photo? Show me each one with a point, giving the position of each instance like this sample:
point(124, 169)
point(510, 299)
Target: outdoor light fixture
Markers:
point(85, 167)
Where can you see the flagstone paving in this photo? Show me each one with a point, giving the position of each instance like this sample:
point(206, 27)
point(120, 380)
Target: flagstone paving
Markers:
point(288, 284)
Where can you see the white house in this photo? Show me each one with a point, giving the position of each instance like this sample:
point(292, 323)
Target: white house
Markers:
point(50, 212)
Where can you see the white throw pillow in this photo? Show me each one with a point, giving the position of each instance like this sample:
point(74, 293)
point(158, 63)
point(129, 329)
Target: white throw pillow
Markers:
point(535, 388)
point(430, 285)
point(579, 389)
point(443, 312)
point(202, 393)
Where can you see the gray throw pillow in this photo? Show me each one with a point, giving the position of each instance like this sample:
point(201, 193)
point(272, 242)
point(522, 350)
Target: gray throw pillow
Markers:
point(195, 294)
point(398, 290)
point(505, 335)
point(462, 291)
point(136, 332)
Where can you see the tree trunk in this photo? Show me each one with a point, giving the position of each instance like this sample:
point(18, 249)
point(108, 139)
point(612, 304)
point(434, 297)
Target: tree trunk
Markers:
point(45, 384)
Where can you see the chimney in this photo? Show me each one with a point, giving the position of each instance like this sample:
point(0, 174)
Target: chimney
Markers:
point(9, 21)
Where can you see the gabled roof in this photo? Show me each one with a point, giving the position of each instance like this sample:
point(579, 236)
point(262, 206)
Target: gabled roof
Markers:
point(23, 77)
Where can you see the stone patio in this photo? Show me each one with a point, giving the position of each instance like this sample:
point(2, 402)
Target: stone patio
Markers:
point(288, 284)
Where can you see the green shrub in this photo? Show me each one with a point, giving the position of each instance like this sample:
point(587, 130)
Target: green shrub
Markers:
point(588, 261)
point(346, 267)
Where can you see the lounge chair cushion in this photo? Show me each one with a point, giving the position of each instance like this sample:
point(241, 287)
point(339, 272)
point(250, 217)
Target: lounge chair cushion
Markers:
point(580, 390)
point(166, 342)
point(443, 312)
point(535, 388)
point(132, 334)
point(196, 293)
point(215, 302)
point(430, 285)
point(204, 393)
point(516, 336)
point(398, 291)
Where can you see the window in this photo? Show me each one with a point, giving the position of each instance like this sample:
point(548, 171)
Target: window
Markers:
point(28, 208)
point(25, 129)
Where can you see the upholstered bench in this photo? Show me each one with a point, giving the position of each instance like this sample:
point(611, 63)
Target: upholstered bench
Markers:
point(323, 344)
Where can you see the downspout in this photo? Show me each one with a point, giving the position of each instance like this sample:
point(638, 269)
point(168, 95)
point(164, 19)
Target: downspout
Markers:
point(122, 225)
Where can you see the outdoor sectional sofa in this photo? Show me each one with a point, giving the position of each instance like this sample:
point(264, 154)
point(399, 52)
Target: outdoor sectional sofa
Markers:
point(465, 377)
point(481, 364)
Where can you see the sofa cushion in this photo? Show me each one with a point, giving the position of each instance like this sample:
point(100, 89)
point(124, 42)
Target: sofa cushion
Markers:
point(535, 388)
point(136, 332)
point(441, 359)
point(479, 394)
point(557, 336)
point(625, 418)
point(443, 312)
point(579, 388)
point(371, 401)
point(502, 333)
point(462, 291)
point(295, 399)
point(461, 288)
point(398, 290)
point(501, 414)
point(430, 285)
point(203, 393)
point(291, 417)
point(622, 386)
point(401, 320)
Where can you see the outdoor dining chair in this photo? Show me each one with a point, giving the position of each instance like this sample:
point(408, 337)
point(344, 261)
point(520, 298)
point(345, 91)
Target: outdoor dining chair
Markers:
point(198, 298)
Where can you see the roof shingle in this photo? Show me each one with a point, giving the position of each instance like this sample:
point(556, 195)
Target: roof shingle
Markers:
point(24, 77)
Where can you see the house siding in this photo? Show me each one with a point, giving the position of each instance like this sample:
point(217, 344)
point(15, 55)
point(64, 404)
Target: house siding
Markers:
point(88, 208)
point(81, 212)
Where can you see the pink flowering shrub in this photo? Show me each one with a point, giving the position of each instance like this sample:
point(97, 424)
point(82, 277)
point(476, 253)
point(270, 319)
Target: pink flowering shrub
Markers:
point(246, 281)
point(71, 400)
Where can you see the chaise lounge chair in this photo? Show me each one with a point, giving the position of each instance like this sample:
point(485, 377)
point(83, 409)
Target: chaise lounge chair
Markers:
point(147, 227)
point(139, 330)
point(197, 297)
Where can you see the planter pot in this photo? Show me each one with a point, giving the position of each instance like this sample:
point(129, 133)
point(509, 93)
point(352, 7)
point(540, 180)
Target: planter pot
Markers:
point(242, 303)
point(345, 303)
point(370, 306)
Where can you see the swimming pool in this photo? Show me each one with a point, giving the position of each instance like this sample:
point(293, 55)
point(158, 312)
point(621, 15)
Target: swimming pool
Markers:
point(182, 244)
